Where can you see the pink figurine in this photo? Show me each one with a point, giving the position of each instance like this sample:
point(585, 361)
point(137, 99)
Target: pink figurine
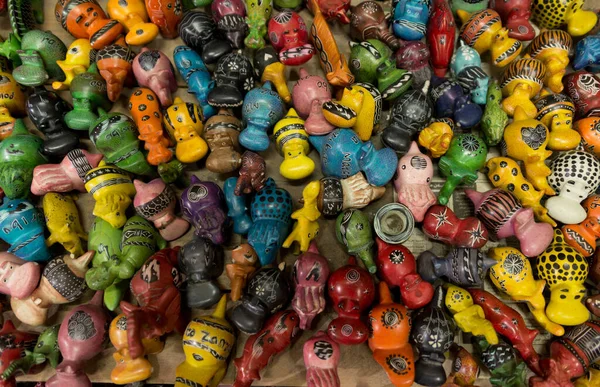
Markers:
point(66, 176)
point(321, 358)
point(503, 216)
point(515, 16)
point(310, 276)
point(412, 182)
point(397, 267)
point(18, 278)
point(82, 335)
point(441, 224)
point(153, 69)
point(308, 96)
point(289, 36)
point(155, 201)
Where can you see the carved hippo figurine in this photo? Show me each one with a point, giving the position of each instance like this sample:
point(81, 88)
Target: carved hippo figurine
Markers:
point(153, 69)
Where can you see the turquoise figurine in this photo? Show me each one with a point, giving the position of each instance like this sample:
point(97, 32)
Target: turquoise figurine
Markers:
point(237, 208)
point(22, 227)
point(20, 153)
point(271, 209)
point(261, 110)
point(343, 154)
point(195, 73)
point(587, 54)
point(116, 137)
point(410, 19)
point(466, 68)
point(465, 156)
point(88, 90)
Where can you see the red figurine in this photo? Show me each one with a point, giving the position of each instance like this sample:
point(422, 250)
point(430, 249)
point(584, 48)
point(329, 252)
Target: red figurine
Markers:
point(13, 347)
point(515, 16)
point(156, 289)
point(441, 30)
point(582, 237)
point(570, 356)
point(276, 336)
point(441, 224)
point(289, 36)
point(333, 9)
point(397, 266)
point(584, 89)
point(352, 291)
point(510, 324)
point(166, 14)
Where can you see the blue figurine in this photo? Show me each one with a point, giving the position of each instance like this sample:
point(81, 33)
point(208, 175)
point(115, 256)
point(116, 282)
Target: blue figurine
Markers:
point(196, 75)
point(450, 101)
point(237, 209)
point(261, 110)
point(587, 54)
point(410, 19)
point(466, 67)
point(22, 228)
point(343, 154)
point(271, 209)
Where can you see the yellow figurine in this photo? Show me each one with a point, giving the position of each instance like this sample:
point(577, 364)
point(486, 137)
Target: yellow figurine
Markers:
point(521, 81)
point(565, 271)
point(206, 359)
point(344, 112)
point(62, 220)
point(184, 123)
point(526, 139)
point(556, 112)
point(307, 225)
point(592, 379)
point(436, 137)
point(133, 16)
point(549, 14)
point(505, 173)
point(368, 111)
point(513, 275)
point(76, 62)
point(552, 48)
point(112, 188)
point(292, 142)
point(468, 316)
point(7, 123)
point(11, 94)
point(128, 370)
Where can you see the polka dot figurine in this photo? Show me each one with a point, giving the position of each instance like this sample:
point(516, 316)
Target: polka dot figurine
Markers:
point(468, 316)
point(575, 175)
point(565, 271)
point(550, 14)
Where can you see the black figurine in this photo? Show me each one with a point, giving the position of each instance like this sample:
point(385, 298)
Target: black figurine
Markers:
point(199, 32)
point(268, 291)
point(410, 114)
point(234, 77)
point(461, 266)
point(47, 111)
point(202, 263)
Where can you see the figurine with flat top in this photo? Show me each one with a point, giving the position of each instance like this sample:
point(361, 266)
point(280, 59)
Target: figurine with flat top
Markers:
point(552, 48)
point(307, 226)
point(450, 101)
point(441, 224)
point(289, 36)
point(469, 317)
point(410, 114)
point(241, 268)
point(311, 272)
point(410, 19)
point(292, 141)
point(183, 121)
point(321, 358)
point(222, 132)
point(88, 91)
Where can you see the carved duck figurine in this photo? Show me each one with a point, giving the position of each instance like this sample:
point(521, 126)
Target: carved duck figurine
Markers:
point(77, 61)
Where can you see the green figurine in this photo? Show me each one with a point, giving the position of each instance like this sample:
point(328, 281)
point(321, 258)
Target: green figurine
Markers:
point(494, 118)
point(465, 156)
point(116, 137)
point(353, 229)
point(19, 155)
point(191, 4)
point(119, 254)
point(172, 173)
point(46, 348)
point(506, 369)
point(469, 6)
point(23, 15)
point(259, 11)
point(88, 90)
point(288, 5)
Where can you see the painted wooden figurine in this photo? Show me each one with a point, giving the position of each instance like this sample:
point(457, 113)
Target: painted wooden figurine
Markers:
point(203, 205)
point(292, 141)
point(353, 230)
point(311, 272)
point(586, 55)
point(461, 266)
point(515, 16)
point(333, 10)
point(183, 121)
point(389, 329)
point(237, 207)
point(261, 347)
point(465, 369)
point(521, 81)
point(437, 136)
point(16, 344)
point(321, 358)
point(261, 110)
point(513, 275)
point(155, 201)
point(230, 18)
point(197, 29)
point(114, 63)
point(62, 281)
point(410, 19)
point(233, 77)
point(195, 73)
point(557, 13)
point(134, 18)
point(267, 67)
point(153, 69)
point(289, 36)
point(268, 291)
point(337, 195)
point(582, 236)
point(469, 317)
point(253, 174)
point(270, 209)
point(466, 155)
point(432, 332)
point(259, 12)
point(62, 220)
point(397, 267)
point(221, 133)
point(18, 278)
point(441, 224)
point(556, 111)
point(590, 136)
point(88, 91)
point(503, 216)
point(352, 291)
point(494, 118)
point(307, 226)
point(450, 101)
point(78, 59)
point(206, 362)
point(308, 96)
point(22, 227)
point(584, 89)
point(466, 67)
point(505, 366)
point(166, 15)
point(441, 31)
point(410, 114)
point(574, 177)
point(242, 266)
point(201, 263)
point(369, 21)
point(552, 48)
point(414, 56)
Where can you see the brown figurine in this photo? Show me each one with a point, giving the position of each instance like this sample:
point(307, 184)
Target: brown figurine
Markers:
point(221, 133)
point(244, 258)
point(114, 63)
point(252, 174)
point(369, 21)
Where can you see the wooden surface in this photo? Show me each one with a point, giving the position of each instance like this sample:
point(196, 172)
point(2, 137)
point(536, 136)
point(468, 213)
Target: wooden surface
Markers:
point(357, 367)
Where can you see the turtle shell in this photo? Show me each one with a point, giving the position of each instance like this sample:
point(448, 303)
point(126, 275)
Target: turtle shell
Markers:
point(524, 69)
point(551, 39)
point(547, 104)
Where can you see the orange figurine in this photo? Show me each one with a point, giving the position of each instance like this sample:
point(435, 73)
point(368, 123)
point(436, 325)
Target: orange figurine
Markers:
point(166, 14)
point(388, 340)
point(114, 63)
point(582, 237)
point(145, 110)
point(244, 259)
point(464, 368)
point(589, 129)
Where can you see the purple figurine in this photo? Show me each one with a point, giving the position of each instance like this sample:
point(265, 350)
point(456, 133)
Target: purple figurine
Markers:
point(450, 101)
point(414, 57)
point(503, 216)
point(155, 201)
point(203, 205)
point(153, 69)
point(230, 17)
